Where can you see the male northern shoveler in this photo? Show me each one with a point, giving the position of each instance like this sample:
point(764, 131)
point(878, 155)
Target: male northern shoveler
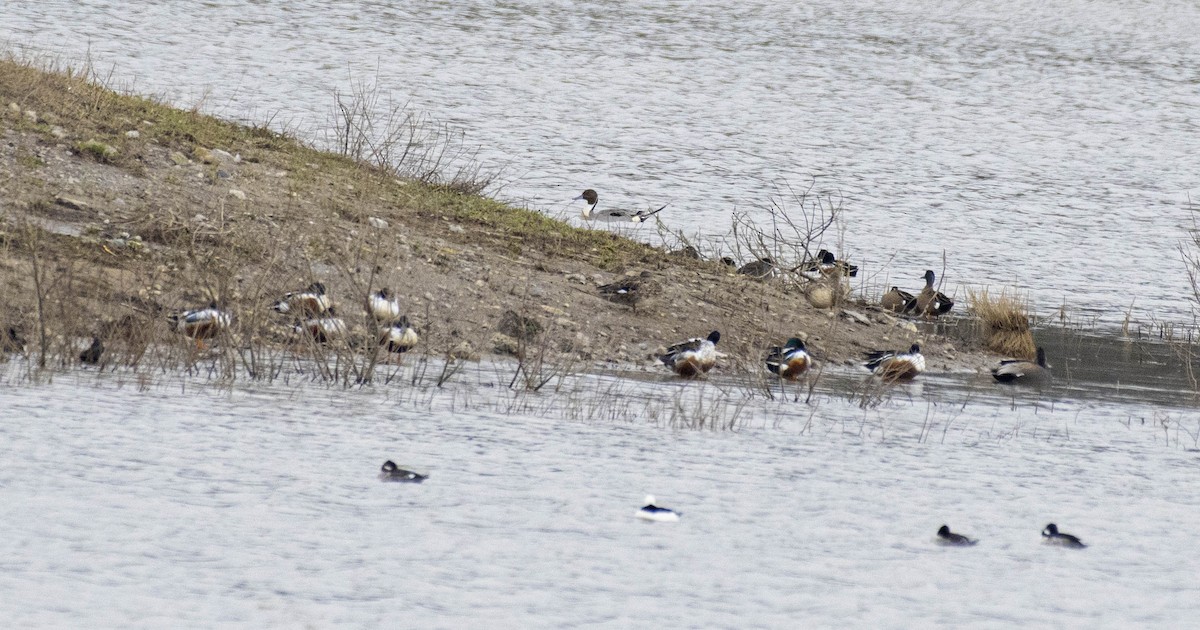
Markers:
point(891, 365)
point(1052, 536)
point(651, 512)
point(322, 329)
point(629, 290)
point(947, 537)
point(201, 323)
point(92, 354)
point(827, 265)
point(930, 301)
point(383, 306)
point(692, 357)
point(1020, 371)
point(591, 214)
point(761, 269)
point(398, 336)
point(898, 301)
point(790, 361)
point(391, 472)
point(311, 301)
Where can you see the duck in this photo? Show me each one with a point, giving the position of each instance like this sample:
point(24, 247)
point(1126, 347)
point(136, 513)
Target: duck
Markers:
point(1020, 371)
point(891, 365)
point(1053, 537)
point(825, 265)
point(629, 290)
point(398, 336)
point(12, 340)
point(651, 512)
point(391, 472)
point(324, 328)
point(898, 301)
point(947, 537)
point(310, 301)
point(790, 361)
point(383, 306)
point(91, 355)
point(760, 269)
point(692, 357)
point(591, 214)
point(201, 323)
point(930, 301)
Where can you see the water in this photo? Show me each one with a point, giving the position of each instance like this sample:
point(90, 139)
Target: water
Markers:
point(184, 504)
point(1020, 138)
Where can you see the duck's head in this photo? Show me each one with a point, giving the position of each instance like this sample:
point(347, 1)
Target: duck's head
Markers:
point(401, 323)
point(384, 293)
point(915, 349)
point(317, 287)
point(728, 262)
point(589, 196)
point(714, 337)
point(795, 342)
point(826, 257)
point(767, 260)
point(389, 466)
point(944, 530)
point(331, 311)
point(1050, 530)
point(649, 499)
point(928, 277)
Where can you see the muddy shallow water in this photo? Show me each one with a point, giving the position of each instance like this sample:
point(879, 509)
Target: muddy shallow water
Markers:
point(183, 503)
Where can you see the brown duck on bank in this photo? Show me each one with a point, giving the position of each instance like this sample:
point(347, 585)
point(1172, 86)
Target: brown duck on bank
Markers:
point(898, 301)
point(629, 290)
point(92, 354)
point(760, 269)
point(930, 301)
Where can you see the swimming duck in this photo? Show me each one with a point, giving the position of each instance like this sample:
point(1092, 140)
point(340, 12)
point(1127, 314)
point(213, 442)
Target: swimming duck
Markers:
point(947, 537)
point(898, 301)
point(692, 357)
point(322, 329)
point(791, 361)
point(826, 265)
point(930, 301)
point(891, 365)
point(651, 512)
point(591, 214)
point(1019, 371)
point(91, 355)
point(391, 472)
point(629, 290)
point(383, 306)
point(399, 336)
point(201, 323)
point(311, 301)
point(1053, 537)
point(760, 269)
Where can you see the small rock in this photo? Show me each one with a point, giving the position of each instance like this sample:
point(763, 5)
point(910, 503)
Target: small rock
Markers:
point(204, 155)
point(133, 133)
point(518, 326)
point(58, 132)
point(457, 229)
point(464, 352)
point(233, 192)
point(223, 156)
point(14, 108)
point(576, 278)
point(179, 159)
point(503, 344)
point(199, 218)
point(71, 202)
point(376, 222)
point(908, 326)
point(31, 116)
point(857, 317)
point(223, 174)
point(537, 291)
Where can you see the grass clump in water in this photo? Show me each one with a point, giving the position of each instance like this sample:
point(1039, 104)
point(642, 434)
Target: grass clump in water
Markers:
point(1004, 322)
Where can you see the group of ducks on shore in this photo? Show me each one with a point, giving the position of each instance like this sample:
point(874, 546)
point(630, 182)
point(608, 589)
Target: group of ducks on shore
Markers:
point(792, 361)
point(652, 512)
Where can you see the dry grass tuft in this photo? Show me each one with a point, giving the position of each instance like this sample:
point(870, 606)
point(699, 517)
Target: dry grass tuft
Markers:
point(1004, 322)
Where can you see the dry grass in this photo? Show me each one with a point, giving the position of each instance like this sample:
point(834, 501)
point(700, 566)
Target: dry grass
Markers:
point(1004, 321)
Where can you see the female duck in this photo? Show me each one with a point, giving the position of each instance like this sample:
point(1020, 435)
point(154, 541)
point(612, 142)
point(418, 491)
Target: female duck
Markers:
point(791, 361)
point(947, 537)
point(930, 301)
point(383, 306)
point(1018, 371)
point(630, 290)
point(324, 328)
point(201, 323)
point(891, 365)
point(399, 336)
point(898, 301)
point(1052, 536)
point(651, 512)
point(311, 301)
point(692, 357)
point(391, 472)
point(591, 214)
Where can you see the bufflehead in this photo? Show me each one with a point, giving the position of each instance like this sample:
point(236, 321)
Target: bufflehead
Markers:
point(391, 472)
point(651, 512)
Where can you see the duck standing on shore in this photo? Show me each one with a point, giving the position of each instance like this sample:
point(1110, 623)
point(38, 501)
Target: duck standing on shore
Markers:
point(92, 354)
point(791, 361)
point(323, 328)
point(383, 306)
point(202, 323)
point(399, 336)
point(692, 357)
point(629, 290)
point(898, 301)
point(592, 214)
point(892, 365)
point(930, 301)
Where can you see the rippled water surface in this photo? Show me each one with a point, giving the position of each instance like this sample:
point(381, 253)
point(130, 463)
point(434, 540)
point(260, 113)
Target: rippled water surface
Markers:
point(188, 505)
point(1020, 138)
